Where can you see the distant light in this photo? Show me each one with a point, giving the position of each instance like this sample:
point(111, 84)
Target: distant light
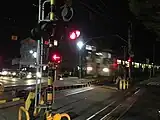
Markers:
point(80, 44)
point(4, 72)
point(89, 68)
point(46, 42)
point(38, 74)
point(105, 69)
point(129, 59)
point(55, 43)
point(31, 51)
point(34, 54)
point(14, 73)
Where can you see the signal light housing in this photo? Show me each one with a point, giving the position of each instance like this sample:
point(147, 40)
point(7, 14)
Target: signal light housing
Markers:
point(129, 59)
point(56, 58)
point(74, 34)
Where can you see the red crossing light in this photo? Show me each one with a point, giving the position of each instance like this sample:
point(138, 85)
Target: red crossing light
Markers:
point(115, 64)
point(46, 42)
point(74, 34)
point(56, 58)
point(129, 59)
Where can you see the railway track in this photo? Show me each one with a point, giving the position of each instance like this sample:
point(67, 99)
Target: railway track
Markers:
point(116, 109)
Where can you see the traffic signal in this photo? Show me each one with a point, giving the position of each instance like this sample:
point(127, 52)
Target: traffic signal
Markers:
point(46, 42)
point(129, 59)
point(74, 34)
point(43, 28)
point(56, 58)
point(115, 64)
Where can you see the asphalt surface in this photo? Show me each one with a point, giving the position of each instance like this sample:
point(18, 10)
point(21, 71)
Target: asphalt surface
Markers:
point(9, 81)
point(79, 103)
point(102, 103)
point(147, 106)
point(19, 84)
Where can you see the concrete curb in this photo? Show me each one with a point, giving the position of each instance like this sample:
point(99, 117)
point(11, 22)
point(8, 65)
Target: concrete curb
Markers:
point(6, 104)
point(10, 100)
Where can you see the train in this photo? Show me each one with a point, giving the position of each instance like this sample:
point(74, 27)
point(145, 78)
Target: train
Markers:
point(112, 68)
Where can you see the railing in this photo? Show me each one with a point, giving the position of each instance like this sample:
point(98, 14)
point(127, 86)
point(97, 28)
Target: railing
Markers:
point(20, 113)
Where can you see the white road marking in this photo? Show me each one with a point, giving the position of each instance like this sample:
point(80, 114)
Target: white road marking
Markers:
point(72, 93)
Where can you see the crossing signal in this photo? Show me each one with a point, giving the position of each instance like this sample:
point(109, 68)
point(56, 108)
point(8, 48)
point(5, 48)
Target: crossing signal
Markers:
point(129, 59)
point(56, 58)
point(74, 34)
point(46, 42)
point(43, 28)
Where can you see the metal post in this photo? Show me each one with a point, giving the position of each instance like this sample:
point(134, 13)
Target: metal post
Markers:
point(153, 59)
point(49, 90)
point(55, 78)
point(52, 3)
point(43, 17)
point(37, 63)
point(129, 48)
point(37, 58)
point(80, 65)
point(124, 57)
point(41, 63)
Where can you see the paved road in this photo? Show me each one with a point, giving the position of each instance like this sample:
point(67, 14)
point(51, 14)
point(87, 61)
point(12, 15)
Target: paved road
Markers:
point(8, 81)
point(80, 103)
point(20, 84)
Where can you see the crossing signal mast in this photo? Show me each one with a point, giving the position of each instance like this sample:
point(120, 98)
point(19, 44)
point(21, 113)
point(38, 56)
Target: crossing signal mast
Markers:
point(46, 27)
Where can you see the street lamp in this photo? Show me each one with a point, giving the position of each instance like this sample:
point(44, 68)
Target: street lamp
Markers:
point(80, 44)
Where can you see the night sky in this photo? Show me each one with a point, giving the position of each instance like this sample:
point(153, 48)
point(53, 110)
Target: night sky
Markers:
point(103, 18)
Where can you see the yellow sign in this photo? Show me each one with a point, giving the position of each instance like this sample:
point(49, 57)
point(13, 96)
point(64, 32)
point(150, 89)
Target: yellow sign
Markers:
point(49, 96)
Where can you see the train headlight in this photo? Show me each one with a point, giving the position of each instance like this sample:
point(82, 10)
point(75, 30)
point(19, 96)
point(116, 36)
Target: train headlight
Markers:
point(105, 69)
point(89, 68)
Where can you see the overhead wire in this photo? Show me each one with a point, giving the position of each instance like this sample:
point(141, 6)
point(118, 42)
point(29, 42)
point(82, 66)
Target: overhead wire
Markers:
point(103, 3)
point(94, 10)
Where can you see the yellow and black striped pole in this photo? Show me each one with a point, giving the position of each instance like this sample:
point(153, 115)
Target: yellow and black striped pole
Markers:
point(49, 90)
point(52, 3)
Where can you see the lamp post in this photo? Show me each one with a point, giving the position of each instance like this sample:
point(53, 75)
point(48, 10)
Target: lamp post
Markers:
point(80, 45)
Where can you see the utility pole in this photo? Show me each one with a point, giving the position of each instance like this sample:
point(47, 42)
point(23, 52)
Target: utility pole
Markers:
point(153, 58)
point(80, 65)
point(38, 60)
point(130, 48)
point(124, 58)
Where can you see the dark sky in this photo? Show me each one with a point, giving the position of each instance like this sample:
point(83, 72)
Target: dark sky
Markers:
point(103, 18)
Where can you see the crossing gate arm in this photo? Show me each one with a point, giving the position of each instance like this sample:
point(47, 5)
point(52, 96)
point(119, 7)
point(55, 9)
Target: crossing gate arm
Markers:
point(22, 109)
